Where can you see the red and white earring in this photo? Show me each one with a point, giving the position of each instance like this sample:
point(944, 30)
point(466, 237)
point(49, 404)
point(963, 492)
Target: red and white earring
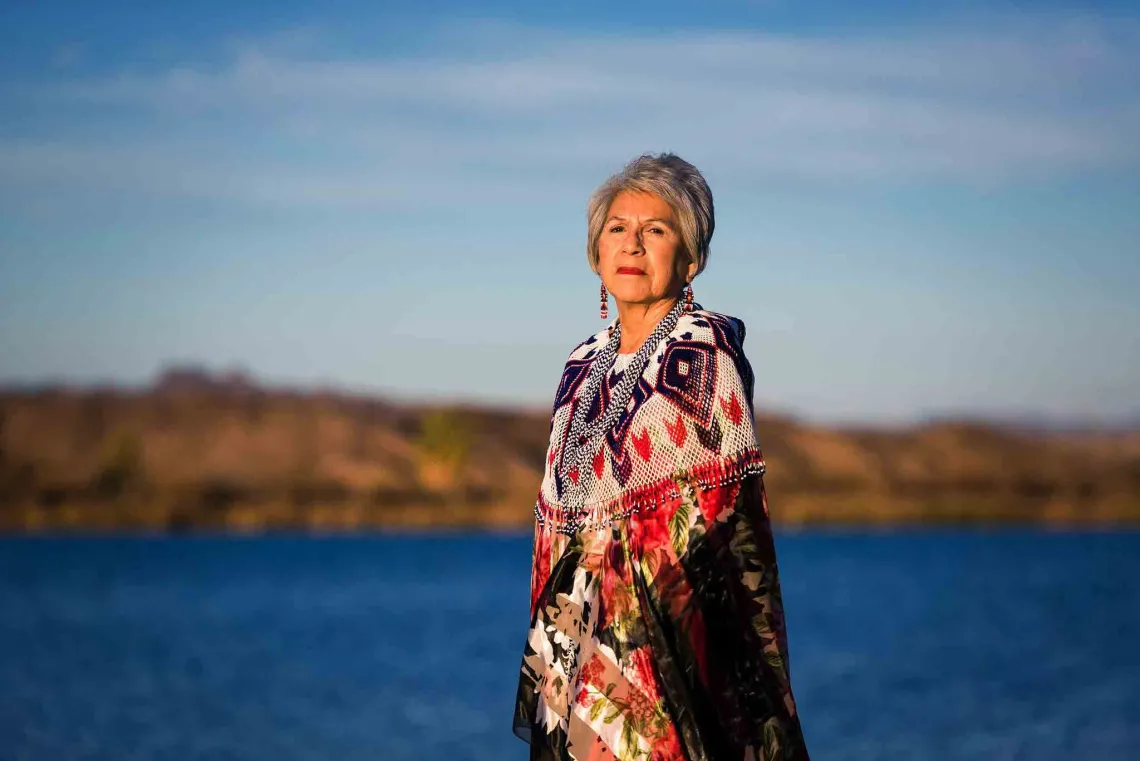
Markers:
point(605, 310)
point(688, 298)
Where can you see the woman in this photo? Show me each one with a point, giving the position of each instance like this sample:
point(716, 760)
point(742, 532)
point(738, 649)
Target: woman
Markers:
point(656, 629)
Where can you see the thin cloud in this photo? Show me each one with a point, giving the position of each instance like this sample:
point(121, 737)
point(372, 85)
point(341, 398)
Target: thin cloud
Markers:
point(275, 124)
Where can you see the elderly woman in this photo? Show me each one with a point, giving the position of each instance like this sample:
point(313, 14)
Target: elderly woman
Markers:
point(656, 627)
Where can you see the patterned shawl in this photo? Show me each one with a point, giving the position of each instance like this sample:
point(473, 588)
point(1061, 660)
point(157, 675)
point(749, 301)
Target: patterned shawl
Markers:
point(688, 414)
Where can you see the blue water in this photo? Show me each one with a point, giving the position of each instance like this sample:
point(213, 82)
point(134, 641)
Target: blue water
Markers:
point(924, 645)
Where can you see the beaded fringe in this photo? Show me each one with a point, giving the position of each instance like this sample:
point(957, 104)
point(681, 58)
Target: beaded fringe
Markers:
point(569, 520)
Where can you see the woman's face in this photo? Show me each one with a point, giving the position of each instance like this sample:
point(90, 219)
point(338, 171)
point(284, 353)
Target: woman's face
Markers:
point(640, 254)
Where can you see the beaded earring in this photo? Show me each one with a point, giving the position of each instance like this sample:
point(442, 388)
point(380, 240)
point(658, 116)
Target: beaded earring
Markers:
point(605, 310)
point(688, 298)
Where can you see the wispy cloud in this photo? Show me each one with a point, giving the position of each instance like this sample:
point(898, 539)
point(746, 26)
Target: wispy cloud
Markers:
point(294, 125)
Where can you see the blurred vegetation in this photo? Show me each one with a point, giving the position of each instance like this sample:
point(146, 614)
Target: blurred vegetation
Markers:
point(122, 467)
point(203, 452)
point(444, 443)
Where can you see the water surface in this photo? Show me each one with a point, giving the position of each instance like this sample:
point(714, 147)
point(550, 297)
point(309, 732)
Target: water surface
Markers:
point(925, 645)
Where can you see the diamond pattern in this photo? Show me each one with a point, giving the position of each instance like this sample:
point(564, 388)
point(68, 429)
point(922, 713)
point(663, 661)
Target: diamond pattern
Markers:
point(688, 378)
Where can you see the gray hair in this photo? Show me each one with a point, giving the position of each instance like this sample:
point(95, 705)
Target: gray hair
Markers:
point(670, 178)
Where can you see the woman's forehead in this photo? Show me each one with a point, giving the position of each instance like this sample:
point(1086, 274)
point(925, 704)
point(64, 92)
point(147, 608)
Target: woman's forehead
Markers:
point(634, 203)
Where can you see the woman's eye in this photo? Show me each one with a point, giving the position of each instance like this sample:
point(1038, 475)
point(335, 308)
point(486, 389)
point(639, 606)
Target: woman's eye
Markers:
point(656, 231)
point(617, 229)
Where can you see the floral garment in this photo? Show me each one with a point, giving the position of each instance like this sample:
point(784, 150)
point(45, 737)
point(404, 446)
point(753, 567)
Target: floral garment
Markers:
point(656, 628)
point(661, 637)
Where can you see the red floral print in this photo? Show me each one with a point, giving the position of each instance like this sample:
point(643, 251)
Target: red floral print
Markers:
point(714, 502)
point(668, 746)
point(641, 661)
point(543, 541)
point(592, 672)
point(651, 528)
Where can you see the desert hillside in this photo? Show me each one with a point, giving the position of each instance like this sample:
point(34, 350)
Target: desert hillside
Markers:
point(196, 451)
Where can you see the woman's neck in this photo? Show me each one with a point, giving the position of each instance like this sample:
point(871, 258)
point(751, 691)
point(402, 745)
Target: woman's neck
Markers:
point(639, 320)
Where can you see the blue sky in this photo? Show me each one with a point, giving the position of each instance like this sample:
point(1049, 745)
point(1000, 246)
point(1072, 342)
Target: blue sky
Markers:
point(919, 212)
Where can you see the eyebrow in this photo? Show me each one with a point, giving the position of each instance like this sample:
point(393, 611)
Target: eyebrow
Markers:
point(665, 222)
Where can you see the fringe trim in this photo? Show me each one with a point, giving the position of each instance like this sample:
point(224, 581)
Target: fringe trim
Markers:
point(571, 520)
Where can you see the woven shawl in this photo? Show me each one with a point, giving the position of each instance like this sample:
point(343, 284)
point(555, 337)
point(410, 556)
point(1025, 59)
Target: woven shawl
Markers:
point(688, 418)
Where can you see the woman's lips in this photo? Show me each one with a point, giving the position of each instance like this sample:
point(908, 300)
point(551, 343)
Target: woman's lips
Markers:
point(630, 271)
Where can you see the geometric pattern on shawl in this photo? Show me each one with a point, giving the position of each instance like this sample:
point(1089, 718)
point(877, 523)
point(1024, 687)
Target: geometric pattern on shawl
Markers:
point(690, 415)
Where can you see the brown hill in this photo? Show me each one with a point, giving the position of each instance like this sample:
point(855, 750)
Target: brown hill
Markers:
point(196, 451)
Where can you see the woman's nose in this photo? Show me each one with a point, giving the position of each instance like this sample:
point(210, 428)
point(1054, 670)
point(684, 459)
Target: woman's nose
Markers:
point(633, 243)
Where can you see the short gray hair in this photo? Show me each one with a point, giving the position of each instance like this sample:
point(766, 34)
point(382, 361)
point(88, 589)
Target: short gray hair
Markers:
point(670, 178)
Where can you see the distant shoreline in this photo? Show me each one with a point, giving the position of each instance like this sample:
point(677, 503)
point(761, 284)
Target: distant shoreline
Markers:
point(196, 453)
point(807, 514)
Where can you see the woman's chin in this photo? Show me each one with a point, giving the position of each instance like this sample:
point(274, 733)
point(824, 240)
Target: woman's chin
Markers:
point(632, 298)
